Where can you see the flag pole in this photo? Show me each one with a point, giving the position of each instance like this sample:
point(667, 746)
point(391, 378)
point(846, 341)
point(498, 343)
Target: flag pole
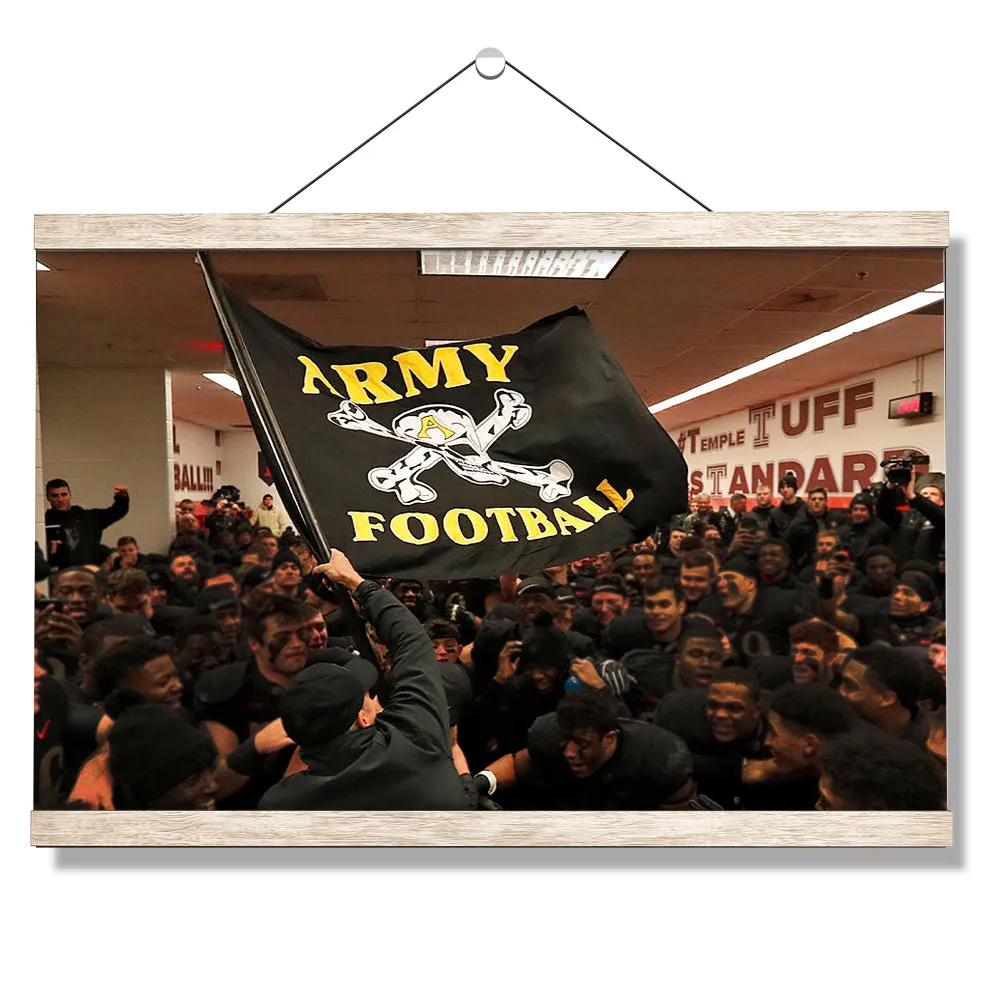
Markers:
point(257, 404)
point(282, 464)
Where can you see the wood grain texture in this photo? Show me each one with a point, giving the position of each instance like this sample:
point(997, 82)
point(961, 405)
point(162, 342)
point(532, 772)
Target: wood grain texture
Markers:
point(490, 829)
point(622, 230)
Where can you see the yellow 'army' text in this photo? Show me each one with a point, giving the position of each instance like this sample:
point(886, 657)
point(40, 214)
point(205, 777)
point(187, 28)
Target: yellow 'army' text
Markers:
point(366, 383)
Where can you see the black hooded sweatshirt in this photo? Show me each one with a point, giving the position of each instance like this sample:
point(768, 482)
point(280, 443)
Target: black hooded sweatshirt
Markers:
point(782, 516)
point(79, 530)
point(403, 760)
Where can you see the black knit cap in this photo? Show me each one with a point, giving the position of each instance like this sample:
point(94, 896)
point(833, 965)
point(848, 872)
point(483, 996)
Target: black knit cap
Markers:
point(217, 598)
point(919, 566)
point(878, 550)
point(158, 573)
point(742, 565)
point(545, 645)
point(322, 701)
point(254, 577)
point(921, 584)
point(153, 748)
point(283, 557)
point(865, 499)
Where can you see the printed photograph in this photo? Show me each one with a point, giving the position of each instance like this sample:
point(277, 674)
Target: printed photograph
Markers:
point(503, 530)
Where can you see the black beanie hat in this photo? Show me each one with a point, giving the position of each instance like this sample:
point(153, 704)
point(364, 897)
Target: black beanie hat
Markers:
point(217, 598)
point(865, 499)
point(923, 585)
point(919, 566)
point(788, 479)
point(159, 574)
point(254, 577)
point(545, 644)
point(285, 556)
point(879, 550)
point(153, 748)
point(742, 565)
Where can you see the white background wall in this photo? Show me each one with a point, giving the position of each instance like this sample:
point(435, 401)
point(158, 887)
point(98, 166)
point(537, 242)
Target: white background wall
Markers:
point(102, 427)
point(239, 467)
point(783, 106)
point(198, 452)
point(871, 434)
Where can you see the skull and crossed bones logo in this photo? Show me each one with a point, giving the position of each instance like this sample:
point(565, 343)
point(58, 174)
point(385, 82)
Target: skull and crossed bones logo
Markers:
point(449, 434)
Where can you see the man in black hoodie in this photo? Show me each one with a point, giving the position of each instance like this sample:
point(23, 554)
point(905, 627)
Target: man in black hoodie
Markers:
point(804, 531)
point(74, 533)
point(864, 529)
point(359, 755)
point(791, 506)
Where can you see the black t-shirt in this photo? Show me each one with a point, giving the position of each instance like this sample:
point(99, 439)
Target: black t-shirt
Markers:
point(763, 630)
point(876, 626)
point(50, 725)
point(710, 606)
point(625, 633)
point(880, 598)
point(649, 767)
point(239, 697)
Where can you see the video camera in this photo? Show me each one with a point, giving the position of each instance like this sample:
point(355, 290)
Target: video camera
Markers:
point(900, 470)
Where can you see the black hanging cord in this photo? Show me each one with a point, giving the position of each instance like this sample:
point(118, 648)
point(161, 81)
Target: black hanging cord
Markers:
point(375, 136)
point(609, 137)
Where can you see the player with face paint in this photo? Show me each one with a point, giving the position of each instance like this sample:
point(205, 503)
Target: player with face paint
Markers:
point(235, 700)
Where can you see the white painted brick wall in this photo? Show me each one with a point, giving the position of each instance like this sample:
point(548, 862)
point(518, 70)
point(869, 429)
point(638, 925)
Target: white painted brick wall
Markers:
point(99, 427)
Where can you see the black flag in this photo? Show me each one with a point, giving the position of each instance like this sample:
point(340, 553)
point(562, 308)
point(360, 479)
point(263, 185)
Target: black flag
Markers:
point(511, 453)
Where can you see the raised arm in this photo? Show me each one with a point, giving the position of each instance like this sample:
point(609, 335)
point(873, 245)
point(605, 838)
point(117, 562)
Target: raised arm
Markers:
point(831, 587)
point(417, 703)
point(929, 509)
point(118, 509)
point(887, 506)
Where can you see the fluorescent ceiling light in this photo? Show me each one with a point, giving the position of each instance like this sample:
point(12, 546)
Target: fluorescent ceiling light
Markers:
point(521, 263)
point(225, 380)
point(39, 266)
point(910, 304)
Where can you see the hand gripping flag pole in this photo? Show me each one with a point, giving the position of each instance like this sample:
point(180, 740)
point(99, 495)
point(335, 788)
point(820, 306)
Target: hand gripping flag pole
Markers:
point(286, 476)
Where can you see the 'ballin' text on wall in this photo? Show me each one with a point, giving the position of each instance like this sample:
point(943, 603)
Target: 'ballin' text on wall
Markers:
point(196, 478)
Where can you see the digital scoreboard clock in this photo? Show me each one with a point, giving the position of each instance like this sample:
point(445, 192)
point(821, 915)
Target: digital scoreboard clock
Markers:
point(920, 404)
